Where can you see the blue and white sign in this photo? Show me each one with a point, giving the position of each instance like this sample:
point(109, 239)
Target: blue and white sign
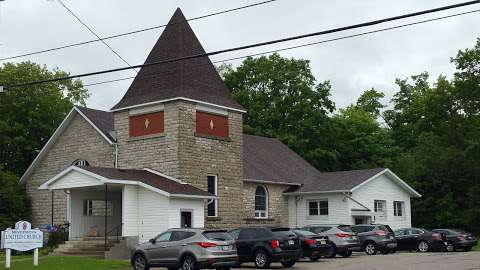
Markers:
point(22, 238)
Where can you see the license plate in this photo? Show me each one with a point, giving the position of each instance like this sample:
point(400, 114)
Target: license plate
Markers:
point(322, 242)
point(354, 237)
point(446, 244)
point(391, 237)
point(290, 242)
point(225, 248)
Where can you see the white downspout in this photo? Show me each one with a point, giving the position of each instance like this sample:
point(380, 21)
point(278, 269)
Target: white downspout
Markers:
point(115, 162)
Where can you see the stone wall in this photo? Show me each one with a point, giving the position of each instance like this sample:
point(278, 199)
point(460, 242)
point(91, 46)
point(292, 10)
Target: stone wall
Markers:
point(277, 205)
point(78, 141)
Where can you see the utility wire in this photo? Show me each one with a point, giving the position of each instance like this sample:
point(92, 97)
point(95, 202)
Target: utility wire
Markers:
point(95, 34)
point(135, 31)
point(311, 43)
point(261, 44)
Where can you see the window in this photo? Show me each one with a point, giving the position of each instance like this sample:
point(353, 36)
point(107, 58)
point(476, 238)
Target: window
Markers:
point(164, 237)
point(97, 208)
point(398, 208)
point(318, 208)
point(212, 205)
point(80, 163)
point(380, 208)
point(261, 202)
point(181, 235)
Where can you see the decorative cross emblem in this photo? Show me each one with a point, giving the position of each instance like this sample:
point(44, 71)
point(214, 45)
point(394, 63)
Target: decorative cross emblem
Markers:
point(147, 123)
point(211, 124)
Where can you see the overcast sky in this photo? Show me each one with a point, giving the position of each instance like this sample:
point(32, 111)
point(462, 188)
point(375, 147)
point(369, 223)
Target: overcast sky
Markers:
point(352, 65)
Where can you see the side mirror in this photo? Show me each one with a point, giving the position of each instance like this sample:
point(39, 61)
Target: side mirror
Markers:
point(153, 241)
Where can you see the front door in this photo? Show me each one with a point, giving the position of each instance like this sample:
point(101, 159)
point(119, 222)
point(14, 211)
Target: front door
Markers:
point(361, 220)
point(186, 219)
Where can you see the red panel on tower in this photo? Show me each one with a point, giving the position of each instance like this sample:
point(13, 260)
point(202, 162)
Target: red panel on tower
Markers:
point(212, 124)
point(146, 124)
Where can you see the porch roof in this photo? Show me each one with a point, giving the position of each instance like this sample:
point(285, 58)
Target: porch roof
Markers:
point(147, 178)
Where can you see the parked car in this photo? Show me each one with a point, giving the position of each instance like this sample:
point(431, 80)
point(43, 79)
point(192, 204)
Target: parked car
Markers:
point(314, 246)
point(420, 239)
point(376, 238)
point(343, 240)
point(458, 239)
point(186, 249)
point(263, 245)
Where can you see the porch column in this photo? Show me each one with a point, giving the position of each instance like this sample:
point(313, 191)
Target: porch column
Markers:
point(106, 217)
point(52, 207)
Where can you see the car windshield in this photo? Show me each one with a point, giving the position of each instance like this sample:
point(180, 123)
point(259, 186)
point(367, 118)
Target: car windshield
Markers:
point(218, 235)
point(305, 233)
point(345, 228)
point(319, 229)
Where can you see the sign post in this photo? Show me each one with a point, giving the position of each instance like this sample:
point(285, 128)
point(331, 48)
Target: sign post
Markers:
point(22, 238)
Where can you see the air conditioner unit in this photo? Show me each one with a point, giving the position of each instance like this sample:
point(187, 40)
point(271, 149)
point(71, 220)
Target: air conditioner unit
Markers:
point(2, 89)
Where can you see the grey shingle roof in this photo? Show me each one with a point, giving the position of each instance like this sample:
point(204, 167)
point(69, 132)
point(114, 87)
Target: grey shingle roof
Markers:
point(193, 78)
point(268, 159)
point(148, 178)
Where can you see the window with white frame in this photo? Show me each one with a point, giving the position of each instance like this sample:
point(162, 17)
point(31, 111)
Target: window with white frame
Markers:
point(80, 163)
point(212, 187)
point(97, 208)
point(261, 202)
point(398, 208)
point(380, 208)
point(317, 207)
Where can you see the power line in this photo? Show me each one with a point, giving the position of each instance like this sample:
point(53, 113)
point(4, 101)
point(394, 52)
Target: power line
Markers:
point(324, 32)
point(311, 43)
point(135, 31)
point(95, 34)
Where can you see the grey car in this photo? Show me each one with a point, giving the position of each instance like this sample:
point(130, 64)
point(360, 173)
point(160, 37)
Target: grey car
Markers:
point(187, 249)
point(344, 240)
point(376, 238)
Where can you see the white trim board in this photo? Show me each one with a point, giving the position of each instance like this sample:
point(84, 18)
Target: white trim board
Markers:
point(61, 128)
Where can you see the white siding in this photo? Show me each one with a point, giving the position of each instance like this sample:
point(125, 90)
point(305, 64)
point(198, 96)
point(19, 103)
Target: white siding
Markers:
point(382, 188)
point(130, 210)
point(153, 213)
point(75, 179)
point(194, 205)
point(81, 224)
point(338, 211)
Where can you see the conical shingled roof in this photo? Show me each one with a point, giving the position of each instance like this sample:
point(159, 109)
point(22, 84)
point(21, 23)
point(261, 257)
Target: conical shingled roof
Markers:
point(194, 79)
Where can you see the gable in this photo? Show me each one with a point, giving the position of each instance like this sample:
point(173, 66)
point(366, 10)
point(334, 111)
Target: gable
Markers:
point(65, 135)
point(73, 179)
point(385, 182)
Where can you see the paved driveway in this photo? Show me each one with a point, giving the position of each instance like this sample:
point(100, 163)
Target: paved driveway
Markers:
point(398, 261)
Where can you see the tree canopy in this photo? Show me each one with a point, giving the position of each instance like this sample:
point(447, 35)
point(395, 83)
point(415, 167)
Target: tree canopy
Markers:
point(429, 135)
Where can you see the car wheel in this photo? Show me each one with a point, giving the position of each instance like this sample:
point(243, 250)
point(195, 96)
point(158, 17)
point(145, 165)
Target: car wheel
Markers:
point(450, 247)
point(188, 263)
point(140, 262)
point(423, 246)
point(346, 254)
point(262, 259)
point(314, 257)
point(332, 253)
point(371, 248)
point(288, 264)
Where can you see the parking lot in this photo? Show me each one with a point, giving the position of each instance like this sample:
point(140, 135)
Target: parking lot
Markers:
point(398, 261)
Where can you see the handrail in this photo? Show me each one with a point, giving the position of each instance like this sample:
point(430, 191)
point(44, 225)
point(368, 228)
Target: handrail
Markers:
point(117, 230)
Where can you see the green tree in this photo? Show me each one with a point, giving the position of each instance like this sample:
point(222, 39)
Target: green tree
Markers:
point(283, 100)
point(14, 203)
point(29, 115)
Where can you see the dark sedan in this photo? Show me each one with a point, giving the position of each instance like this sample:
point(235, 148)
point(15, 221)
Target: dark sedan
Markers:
point(458, 239)
point(313, 245)
point(421, 240)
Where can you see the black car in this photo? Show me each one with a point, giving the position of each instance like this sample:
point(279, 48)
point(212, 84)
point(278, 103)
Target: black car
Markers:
point(420, 239)
point(458, 239)
point(263, 245)
point(375, 238)
point(313, 245)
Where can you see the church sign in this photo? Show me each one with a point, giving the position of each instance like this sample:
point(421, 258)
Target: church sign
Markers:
point(22, 238)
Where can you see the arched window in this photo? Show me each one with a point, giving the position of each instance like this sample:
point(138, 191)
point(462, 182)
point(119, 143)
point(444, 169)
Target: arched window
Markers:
point(261, 202)
point(81, 163)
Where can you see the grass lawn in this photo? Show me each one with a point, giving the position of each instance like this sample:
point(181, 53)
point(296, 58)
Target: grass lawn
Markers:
point(60, 263)
point(476, 248)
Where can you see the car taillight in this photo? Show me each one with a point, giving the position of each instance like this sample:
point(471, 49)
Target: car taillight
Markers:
point(275, 244)
point(380, 233)
point(436, 236)
point(461, 237)
point(206, 244)
point(310, 241)
point(343, 235)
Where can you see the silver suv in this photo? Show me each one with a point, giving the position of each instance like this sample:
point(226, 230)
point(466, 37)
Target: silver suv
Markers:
point(344, 240)
point(187, 249)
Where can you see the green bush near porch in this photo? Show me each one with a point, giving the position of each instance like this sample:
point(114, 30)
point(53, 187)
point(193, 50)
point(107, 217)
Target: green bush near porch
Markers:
point(25, 262)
